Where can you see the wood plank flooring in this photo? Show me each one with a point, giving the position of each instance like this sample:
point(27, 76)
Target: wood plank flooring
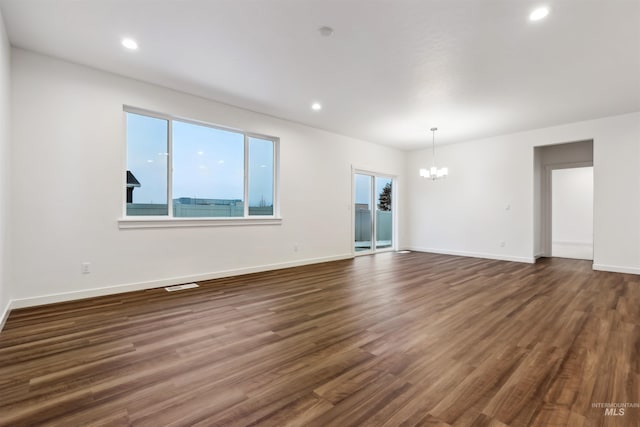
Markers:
point(385, 340)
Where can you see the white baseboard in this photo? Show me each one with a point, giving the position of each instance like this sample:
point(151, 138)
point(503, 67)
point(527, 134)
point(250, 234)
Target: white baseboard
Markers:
point(88, 293)
point(117, 289)
point(572, 243)
point(571, 249)
point(5, 314)
point(616, 268)
point(528, 260)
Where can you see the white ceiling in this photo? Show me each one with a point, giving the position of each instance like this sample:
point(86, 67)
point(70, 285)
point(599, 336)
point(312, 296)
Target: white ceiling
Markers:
point(392, 69)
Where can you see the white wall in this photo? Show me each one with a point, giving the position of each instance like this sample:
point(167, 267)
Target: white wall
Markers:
point(537, 202)
point(572, 213)
point(566, 153)
point(5, 89)
point(69, 156)
point(466, 213)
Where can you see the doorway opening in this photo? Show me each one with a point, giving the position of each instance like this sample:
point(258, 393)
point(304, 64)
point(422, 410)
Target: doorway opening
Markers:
point(572, 213)
point(563, 200)
point(373, 213)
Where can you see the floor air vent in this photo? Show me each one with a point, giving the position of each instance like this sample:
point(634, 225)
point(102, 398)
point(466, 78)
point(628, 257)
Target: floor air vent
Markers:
point(181, 287)
point(404, 252)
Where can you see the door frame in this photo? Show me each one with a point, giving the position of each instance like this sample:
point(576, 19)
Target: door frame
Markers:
point(394, 210)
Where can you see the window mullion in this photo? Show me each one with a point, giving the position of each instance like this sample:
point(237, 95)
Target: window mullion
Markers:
point(246, 175)
point(275, 196)
point(374, 214)
point(170, 169)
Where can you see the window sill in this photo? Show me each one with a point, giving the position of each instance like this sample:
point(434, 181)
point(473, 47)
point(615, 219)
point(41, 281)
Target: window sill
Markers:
point(150, 222)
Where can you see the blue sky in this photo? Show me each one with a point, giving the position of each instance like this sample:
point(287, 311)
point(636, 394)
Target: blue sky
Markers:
point(147, 157)
point(207, 162)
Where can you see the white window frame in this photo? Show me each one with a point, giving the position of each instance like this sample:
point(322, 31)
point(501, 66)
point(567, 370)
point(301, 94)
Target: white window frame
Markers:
point(169, 221)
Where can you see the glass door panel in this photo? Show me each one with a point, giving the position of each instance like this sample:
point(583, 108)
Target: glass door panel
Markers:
point(384, 213)
point(362, 208)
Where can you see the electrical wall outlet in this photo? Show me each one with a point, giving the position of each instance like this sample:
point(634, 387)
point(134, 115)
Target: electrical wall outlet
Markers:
point(85, 268)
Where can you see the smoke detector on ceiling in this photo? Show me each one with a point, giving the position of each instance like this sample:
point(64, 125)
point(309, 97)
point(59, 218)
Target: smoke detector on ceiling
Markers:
point(325, 31)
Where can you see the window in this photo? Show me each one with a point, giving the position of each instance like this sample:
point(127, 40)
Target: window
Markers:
point(206, 171)
point(260, 176)
point(146, 165)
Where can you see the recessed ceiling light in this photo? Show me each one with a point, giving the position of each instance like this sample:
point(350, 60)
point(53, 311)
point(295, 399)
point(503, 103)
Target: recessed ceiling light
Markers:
point(325, 31)
point(539, 13)
point(130, 44)
point(316, 106)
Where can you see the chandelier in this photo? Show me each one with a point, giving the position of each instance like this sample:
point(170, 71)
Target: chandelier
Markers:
point(434, 172)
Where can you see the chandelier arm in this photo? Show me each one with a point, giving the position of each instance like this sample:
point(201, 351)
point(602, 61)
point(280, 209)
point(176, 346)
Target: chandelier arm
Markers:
point(433, 147)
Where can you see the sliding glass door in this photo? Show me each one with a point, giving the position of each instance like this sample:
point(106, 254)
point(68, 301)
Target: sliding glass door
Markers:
point(373, 213)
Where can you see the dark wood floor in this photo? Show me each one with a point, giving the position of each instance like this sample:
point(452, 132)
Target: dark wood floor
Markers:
point(392, 339)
